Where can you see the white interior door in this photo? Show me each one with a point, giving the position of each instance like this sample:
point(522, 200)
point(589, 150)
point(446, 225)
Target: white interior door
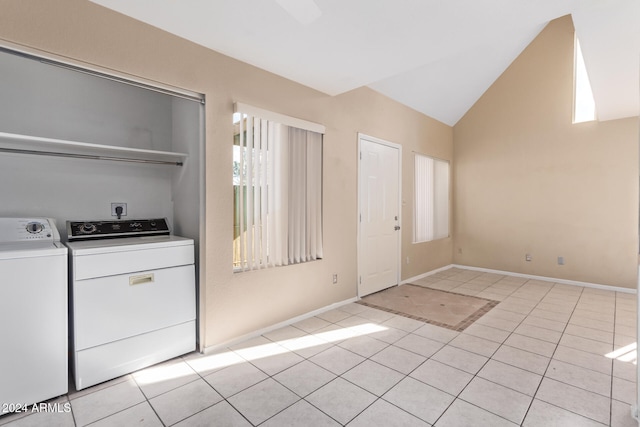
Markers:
point(379, 216)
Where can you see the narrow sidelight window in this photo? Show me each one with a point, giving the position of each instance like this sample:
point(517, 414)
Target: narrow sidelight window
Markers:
point(431, 199)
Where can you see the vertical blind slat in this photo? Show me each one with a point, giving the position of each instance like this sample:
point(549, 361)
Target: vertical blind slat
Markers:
point(257, 140)
point(250, 189)
point(264, 190)
point(282, 184)
point(241, 184)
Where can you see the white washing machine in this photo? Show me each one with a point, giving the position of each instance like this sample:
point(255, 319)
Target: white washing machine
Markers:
point(33, 312)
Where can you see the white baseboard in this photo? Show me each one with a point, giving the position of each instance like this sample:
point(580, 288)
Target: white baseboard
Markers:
point(551, 279)
point(526, 276)
point(427, 274)
point(279, 325)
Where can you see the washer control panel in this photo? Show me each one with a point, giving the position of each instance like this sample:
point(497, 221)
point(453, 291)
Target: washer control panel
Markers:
point(28, 230)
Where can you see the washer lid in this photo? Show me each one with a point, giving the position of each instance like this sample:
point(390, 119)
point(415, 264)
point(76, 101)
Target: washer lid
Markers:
point(31, 250)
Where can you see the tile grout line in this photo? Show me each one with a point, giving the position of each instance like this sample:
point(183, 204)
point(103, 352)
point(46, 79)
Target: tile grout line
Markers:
point(503, 343)
point(337, 344)
point(377, 398)
point(226, 399)
point(133, 378)
point(615, 316)
point(544, 375)
point(405, 376)
point(571, 385)
point(114, 413)
point(540, 301)
point(483, 365)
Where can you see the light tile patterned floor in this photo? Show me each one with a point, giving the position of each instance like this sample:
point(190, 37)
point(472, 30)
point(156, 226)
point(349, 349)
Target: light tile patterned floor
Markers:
point(548, 355)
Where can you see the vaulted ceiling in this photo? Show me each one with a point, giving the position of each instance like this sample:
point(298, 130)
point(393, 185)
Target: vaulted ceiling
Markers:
point(435, 56)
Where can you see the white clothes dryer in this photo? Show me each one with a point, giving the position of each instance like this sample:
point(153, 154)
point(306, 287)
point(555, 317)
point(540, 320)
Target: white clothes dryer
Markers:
point(133, 297)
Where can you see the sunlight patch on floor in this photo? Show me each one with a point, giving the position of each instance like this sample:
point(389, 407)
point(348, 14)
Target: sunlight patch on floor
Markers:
point(628, 353)
point(350, 332)
point(225, 359)
point(156, 374)
point(284, 346)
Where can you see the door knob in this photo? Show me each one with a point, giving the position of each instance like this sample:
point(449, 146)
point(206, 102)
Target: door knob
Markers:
point(397, 227)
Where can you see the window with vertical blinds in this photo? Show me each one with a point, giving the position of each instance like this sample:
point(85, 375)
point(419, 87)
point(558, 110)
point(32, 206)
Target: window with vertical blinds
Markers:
point(277, 181)
point(431, 199)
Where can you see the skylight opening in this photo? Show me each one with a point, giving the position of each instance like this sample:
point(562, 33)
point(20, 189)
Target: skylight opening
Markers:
point(584, 107)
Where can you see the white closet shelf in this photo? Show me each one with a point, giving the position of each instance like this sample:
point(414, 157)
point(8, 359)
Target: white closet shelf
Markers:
point(26, 144)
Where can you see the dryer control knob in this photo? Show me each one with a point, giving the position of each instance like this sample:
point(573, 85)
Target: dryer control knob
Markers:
point(87, 228)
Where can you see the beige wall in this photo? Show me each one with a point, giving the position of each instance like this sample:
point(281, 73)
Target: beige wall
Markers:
point(527, 180)
point(237, 304)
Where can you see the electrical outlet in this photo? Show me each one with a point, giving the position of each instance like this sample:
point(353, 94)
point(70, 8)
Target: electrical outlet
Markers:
point(407, 260)
point(335, 278)
point(560, 260)
point(115, 205)
point(527, 257)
